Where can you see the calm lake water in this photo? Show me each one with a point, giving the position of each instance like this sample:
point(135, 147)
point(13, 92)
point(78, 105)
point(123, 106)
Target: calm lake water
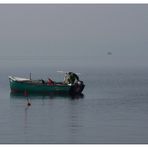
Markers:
point(113, 108)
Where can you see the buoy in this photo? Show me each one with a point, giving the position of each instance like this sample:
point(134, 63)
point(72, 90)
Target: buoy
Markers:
point(29, 104)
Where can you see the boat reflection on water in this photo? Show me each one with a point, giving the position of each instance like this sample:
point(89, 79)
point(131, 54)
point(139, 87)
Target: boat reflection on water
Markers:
point(46, 96)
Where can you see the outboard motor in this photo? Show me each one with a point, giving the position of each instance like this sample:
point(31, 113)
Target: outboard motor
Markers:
point(77, 88)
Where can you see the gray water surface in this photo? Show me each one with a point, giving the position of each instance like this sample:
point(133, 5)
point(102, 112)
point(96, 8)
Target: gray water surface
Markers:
point(114, 108)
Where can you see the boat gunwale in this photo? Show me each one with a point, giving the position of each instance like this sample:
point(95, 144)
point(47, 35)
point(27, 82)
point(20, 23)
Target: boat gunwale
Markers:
point(38, 82)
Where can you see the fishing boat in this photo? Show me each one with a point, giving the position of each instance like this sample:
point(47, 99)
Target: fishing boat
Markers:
point(18, 84)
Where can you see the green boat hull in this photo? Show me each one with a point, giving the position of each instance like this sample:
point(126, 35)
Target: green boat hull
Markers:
point(30, 87)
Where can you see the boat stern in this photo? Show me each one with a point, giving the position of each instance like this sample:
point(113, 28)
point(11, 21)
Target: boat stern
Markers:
point(77, 88)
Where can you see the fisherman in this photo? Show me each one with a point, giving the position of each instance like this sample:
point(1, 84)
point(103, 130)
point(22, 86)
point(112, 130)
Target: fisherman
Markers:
point(50, 82)
point(70, 78)
point(73, 77)
point(66, 78)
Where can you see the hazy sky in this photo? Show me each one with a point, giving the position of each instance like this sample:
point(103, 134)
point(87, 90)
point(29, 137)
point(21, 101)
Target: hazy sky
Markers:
point(74, 29)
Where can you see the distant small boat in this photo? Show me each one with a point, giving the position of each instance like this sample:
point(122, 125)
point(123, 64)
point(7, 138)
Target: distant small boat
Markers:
point(25, 85)
point(109, 53)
